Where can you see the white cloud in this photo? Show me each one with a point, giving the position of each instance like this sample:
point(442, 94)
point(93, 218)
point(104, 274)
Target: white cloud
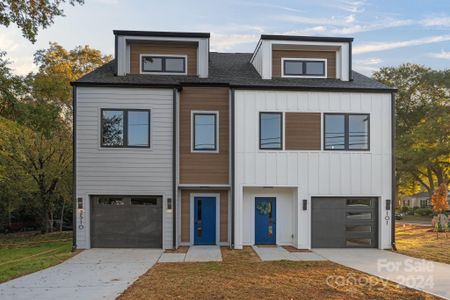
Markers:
point(438, 21)
point(375, 47)
point(307, 31)
point(388, 23)
point(336, 21)
point(224, 42)
point(441, 55)
point(17, 50)
point(267, 5)
point(369, 61)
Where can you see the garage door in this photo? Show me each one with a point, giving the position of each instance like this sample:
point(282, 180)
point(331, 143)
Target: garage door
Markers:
point(344, 222)
point(126, 222)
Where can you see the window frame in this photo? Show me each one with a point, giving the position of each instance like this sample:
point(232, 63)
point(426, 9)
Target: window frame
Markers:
point(303, 61)
point(281, 130)
point(125, 127)
point(163, 64)
point(346, 131)
point(216, 131)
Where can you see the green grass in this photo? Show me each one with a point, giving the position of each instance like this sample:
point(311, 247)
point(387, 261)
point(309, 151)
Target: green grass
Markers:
point(26, 253)
point(416, 218)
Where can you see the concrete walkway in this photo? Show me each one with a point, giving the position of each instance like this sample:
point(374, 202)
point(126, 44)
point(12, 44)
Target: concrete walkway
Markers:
point(279, 253)
point(427, 276)
point(92, 274)
point(194, 254)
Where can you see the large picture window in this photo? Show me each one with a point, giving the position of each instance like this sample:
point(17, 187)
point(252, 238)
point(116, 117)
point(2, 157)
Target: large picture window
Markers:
point(125, 128)
point(270, 131)
point(163, 64)
point(346, 131)
point(204, 131)
point(303, 68)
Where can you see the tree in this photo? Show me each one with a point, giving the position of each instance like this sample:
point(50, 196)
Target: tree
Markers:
point(423, 125)
point(44, 159)
point(11, 89)
point(58, 67)
point(32, 15)
point(440, 200)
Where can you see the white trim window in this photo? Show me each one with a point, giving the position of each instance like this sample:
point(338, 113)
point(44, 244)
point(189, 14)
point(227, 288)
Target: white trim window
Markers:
point(304, 67)
point(163, 64)
point(205, 131)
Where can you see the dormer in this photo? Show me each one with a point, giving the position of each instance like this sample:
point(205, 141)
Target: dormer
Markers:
point(285, 56)
point(161, 53)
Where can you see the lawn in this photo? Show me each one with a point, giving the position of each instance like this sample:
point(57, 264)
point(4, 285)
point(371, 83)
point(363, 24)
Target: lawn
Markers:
point(25, 253)
point(421, 242)
point(410, 218)
point(243, 276)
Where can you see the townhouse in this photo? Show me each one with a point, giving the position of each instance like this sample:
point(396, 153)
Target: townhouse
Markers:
point(177, 145)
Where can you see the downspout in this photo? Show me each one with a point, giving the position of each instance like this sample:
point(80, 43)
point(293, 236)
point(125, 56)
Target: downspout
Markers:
point(393, 177)
point(174, 170)
point(74, 170)
point(232, 167)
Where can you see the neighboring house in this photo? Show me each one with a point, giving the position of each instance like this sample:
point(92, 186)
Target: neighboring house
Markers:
point(421, 200)
point(176, 145)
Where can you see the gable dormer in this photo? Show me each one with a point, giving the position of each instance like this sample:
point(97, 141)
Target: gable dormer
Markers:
point(161, 53)
point(284, 56)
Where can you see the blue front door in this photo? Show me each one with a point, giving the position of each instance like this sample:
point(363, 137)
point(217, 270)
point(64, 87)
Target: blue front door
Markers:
point(265, 220)
point(204, 220)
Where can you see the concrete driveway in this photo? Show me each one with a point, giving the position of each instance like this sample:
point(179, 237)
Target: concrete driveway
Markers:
point(92, 274)
point(430, 277)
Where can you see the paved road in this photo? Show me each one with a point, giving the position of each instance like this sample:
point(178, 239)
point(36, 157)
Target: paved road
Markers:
point(93, 274)
point(430, 277)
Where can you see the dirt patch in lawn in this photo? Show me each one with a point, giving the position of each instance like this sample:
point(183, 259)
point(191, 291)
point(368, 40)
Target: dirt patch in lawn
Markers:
point(242, 275)
point(182, 249)
point(293, 249)
point(422, 242)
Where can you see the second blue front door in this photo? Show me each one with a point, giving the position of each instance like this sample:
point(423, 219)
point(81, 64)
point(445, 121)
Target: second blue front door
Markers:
point(204, 220)
point(265, 220)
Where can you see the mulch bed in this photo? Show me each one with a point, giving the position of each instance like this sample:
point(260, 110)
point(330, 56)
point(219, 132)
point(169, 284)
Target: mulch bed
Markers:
point(293, 249)
point(181, 249)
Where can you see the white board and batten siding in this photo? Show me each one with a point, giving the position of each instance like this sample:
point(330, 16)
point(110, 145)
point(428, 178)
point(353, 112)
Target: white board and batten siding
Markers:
point(126, 171)
point(314, 173)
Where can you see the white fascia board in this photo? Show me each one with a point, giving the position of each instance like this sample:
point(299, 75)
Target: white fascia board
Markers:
point(345, 56)
point(202, 51)
point(266, 48)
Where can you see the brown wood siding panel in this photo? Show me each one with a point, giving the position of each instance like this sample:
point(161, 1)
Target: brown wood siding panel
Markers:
point(303, 131)
point(204, 168)
point(189, 49)
point(185, 213)
point(278, 54)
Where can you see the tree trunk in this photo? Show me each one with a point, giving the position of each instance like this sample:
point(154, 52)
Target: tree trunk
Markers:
point(62, 215)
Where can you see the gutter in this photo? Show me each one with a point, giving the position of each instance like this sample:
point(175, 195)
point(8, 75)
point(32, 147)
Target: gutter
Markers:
point(174, 170)
point(393, 177)
point(233, 188)
point(74, 170)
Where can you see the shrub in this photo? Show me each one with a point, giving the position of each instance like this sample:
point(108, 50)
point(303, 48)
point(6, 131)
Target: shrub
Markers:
point(424, 212)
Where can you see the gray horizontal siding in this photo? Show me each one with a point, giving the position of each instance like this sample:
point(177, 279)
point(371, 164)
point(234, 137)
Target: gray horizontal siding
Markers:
point(124, 171)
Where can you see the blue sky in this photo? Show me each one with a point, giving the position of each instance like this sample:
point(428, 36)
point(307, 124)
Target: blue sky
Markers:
point(387, 33)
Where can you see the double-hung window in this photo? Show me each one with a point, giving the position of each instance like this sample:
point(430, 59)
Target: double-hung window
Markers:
point(163, 64)
point(204, 131)
point(125, 128)
point(346, 131)
point(270, 131)
point(293, 67)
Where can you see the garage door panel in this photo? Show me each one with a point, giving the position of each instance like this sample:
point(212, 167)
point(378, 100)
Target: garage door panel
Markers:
point(344, 222)
point(131, 222)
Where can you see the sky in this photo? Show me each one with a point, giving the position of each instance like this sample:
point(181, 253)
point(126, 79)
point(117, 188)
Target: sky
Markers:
point(386, 33)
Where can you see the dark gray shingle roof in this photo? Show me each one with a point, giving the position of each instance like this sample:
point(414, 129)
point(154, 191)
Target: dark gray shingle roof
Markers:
point(232, 69)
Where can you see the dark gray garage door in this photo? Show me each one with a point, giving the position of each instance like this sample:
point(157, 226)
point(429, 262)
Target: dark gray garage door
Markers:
point(344, 222)
point(126, 222)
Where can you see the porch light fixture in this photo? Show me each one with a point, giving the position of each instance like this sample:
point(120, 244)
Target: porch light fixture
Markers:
point(305, 204)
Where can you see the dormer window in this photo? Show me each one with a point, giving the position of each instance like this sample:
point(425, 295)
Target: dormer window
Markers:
point(301, 67)
point(163, 64)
